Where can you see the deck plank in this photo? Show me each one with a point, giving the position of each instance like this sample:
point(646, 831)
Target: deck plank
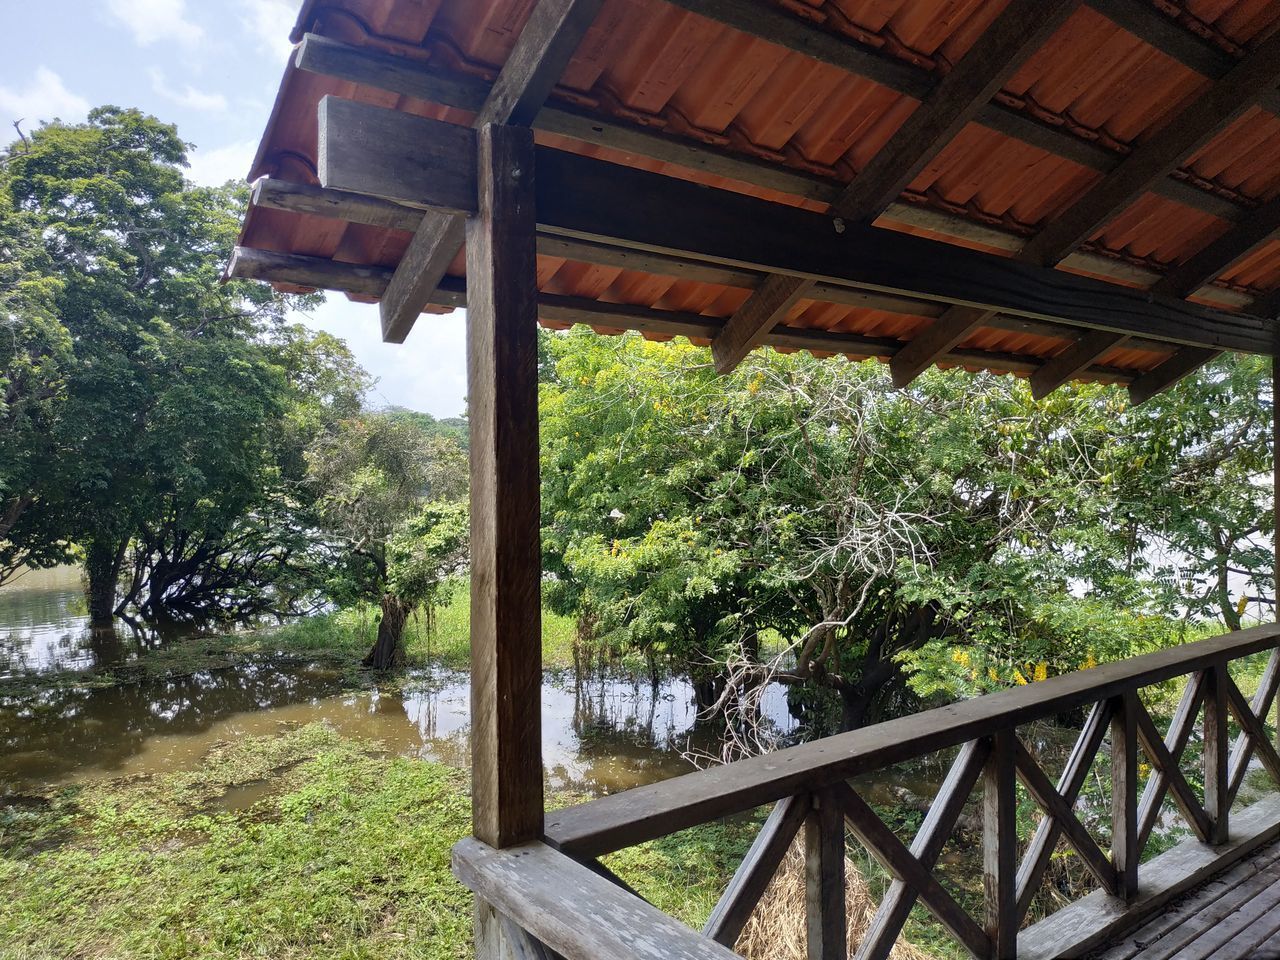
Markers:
point(1235, 916)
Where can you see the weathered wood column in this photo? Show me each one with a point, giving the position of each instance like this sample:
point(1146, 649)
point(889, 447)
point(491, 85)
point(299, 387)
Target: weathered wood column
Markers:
point(502, 375)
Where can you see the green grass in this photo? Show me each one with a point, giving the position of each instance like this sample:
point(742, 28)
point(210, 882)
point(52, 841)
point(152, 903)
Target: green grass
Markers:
point(442, 638)
point(346, 856)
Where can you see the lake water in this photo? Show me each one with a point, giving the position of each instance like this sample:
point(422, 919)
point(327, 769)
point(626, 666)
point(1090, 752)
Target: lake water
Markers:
point(601, 734)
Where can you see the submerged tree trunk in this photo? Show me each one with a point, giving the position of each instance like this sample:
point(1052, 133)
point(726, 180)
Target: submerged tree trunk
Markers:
point(388, 649)
point(102, 567)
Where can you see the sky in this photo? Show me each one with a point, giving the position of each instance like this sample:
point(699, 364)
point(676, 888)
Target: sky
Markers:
point(212, 68)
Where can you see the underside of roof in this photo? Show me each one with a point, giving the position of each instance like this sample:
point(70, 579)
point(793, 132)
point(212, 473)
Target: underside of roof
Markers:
point(789, 101)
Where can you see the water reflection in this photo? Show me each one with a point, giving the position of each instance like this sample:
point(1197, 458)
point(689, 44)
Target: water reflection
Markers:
point(599, 736)
point(44, 624)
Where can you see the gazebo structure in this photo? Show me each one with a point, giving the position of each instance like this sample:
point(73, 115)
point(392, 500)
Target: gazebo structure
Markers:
point(1058, 189)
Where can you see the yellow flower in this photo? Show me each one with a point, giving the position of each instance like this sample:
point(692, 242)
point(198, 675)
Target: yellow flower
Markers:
point(1042, 671)
point(1019, 679)
point(991, 672)
point(961, 657)
point(1089, 662)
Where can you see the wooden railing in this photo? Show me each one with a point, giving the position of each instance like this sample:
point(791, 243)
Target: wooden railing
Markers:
point(556, 895)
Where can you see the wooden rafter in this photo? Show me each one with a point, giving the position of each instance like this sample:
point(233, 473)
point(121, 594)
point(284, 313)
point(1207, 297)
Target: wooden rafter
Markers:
point(1179, 138)
point(1017, 33)
point(1151, 162)
point(586, 199)
point(762, 19)
point(373, 68)
point(371, 282)
point(1233, 246)
point(542, 51)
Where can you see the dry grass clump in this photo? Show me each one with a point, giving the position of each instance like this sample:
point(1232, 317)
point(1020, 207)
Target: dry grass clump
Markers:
point(776, 930)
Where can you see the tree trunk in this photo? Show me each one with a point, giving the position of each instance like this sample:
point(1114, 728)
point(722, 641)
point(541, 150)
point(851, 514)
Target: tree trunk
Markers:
point(102, 567)
point(858, 699)
point(388, 649)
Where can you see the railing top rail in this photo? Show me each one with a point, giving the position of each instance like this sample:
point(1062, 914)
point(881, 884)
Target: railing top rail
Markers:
point(660, 809)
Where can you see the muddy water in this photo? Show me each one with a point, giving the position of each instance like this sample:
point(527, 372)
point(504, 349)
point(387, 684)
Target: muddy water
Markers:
point(602, 735)
point(599, 735)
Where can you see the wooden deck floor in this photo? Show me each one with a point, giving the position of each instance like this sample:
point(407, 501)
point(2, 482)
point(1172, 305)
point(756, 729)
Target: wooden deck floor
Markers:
point(1235, 916)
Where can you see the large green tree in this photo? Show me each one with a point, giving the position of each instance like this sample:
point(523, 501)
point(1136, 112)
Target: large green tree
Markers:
point(391, 498)
point(958, 532)
point(166, 385)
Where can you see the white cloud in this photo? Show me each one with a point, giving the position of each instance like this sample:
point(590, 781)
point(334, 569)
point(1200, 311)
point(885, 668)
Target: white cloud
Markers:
point(427, 372)
point(188, 97)
point(152, 21)
point(214, 166)
point(270, 22)
point(44, 97)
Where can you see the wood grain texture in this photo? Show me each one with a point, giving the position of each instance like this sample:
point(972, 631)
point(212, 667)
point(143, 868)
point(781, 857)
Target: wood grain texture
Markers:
point(502, 378)
point(890, 852)
point(546, 43)
point(1161, 932)
point(751, 879)
point(1161, 152)
point(1045, 838)
point(1217, 790)
point(1056, 807)
point(957, 324)
point(1000, 846)
point(419, 273)
point(1073, 361)
point(571, 910)
point(316, 272)
point(645, 813)
point(584, 199)
point(1098, 917)
point(1018, 32)
point(824, 879)
point(375, 69)
point(1258, 228)
point(1166, 776)
point(541, 52)
point(1125, 851)
point(935, 830)
point(1185, 360)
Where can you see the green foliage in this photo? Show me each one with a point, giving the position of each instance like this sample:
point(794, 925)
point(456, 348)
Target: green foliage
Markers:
point(346, 856)
point(428, 550)
point(148, 390)
point(959, 534)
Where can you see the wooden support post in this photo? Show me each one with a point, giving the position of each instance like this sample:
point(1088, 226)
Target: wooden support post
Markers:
point(1217, 790)
point(1275, 502)
point(502, 373)
point(1000, 846)
point(1124, 794)
point(824, 879)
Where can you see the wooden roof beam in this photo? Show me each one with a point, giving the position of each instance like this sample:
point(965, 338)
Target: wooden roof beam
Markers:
point(383, 71)
point(1219, 256)
point(1018, 32)
point(583, 198)
point(1151, 162)
point(762, 19)
point(1161, 153)
point(356, 208)
point(541, 53)
point(371, 282)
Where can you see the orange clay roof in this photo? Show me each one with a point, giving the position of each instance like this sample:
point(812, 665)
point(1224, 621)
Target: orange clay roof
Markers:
point(652, 63)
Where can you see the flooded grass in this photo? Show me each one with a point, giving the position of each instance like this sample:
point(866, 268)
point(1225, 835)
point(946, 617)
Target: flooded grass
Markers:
point(346, 857)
